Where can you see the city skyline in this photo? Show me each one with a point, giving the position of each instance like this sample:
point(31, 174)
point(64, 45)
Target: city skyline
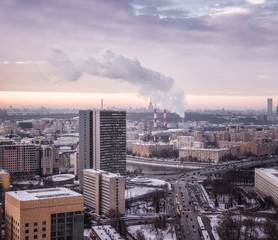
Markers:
point(181, 55)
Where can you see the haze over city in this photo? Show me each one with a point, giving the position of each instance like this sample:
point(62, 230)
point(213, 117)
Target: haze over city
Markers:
point(178, 54)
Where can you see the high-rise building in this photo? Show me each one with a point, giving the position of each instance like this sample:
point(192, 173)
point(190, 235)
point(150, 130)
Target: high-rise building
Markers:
point(269, 106)
point(51, 213)
point(102, 141)
point(104, 191)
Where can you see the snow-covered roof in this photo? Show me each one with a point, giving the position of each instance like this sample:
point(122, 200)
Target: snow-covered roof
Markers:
point(62, 177)
point(270, 172)
point(2, 171)
point(46, 193)
point(103, 173)
point(106, 232)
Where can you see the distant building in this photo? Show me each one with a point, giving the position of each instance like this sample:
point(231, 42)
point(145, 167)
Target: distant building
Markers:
point(4, 180)
point(49, 160)
point(203, 154)
point(105, 232)
point(266, 182)
point(102, 142)
point(269, 106)
point(1, 220)
point(104, 191)
point(148, 149)
point(51, 213)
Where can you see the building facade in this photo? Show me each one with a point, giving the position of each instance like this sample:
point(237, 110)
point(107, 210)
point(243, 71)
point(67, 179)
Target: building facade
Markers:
point(19, 158)
point(269, 106)
point(266, 182)
point(52, 213)
point(104, 191)
point(4, 180)
point(102, 141)
point(49, 160)
point(203, 154)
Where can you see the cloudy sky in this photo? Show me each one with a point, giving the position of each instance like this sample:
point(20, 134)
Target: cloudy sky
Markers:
point(181, 54)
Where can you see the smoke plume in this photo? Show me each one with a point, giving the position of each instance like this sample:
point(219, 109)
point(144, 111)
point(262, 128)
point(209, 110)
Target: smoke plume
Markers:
point(154, 85)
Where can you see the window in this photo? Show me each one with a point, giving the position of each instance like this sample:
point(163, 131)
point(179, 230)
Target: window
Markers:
point(35, 223)
point(26, 238)
point(27, 231)
point(44, 235)
point(44, 223)
point(35, 230)
point(44, 229)
point(35, 236)
point(26, 224)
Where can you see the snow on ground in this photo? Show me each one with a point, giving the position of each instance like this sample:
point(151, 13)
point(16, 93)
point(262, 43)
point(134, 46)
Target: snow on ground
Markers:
point(87, 232)
point(151, 233)
point(214, 223)
point(137, 191)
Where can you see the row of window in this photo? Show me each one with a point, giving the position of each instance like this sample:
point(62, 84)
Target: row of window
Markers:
point(35, 224)
point(35, 237)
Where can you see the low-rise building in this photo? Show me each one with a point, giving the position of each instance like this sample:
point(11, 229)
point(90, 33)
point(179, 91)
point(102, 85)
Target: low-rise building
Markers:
point(4, 179)
point(104, 191)
point(105, 232)
point(51, 213)
point(266, 182)
point(150, 149)
point(203, 154)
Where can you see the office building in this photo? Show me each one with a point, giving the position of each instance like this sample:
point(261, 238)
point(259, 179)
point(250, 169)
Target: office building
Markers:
point(51, 213)
point(104, 191)
point(269, 106)
point(266, 182)
point(102, 141)
point(4, 180)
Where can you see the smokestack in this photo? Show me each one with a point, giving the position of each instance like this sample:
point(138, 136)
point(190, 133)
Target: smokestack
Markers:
point(101, 104)
point(164, 118)
point(154, 119)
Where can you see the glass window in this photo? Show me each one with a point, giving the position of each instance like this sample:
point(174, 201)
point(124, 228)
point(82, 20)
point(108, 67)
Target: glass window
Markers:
point(44, 223)
point(35, 236)
point(27, 231)
point(35, 230)
point(44, 235)
point(26, 224)
point(44, 229)
point(35, 223)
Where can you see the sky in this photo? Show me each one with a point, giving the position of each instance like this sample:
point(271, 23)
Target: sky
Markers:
point(179, 54)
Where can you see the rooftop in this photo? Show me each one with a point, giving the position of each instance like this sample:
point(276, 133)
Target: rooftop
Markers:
point(104, 173)
point(270, 172)
point(3, 171)
point(46, 193)
point(106, 232)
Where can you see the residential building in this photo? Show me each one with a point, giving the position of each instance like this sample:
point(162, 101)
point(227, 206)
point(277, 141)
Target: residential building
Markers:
point(51, 213)
point(19, 158)
point(203, 154)
point(149, 149)
point(266, 182)
point(49, 159)
point(104, 191)
point(102, 141)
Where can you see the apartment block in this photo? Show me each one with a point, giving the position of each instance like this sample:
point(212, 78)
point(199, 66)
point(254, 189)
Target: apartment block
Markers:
point(104, 191)
point(150, 149)
point(52, 213)
point(266, 182)
point(19, 157)
point(49, 160)
point(203, 154)
point(102, 141)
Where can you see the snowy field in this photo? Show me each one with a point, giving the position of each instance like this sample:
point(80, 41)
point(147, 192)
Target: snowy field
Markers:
point(151, 233)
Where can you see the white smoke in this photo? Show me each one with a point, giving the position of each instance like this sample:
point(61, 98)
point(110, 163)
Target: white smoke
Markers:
point(154, 85)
